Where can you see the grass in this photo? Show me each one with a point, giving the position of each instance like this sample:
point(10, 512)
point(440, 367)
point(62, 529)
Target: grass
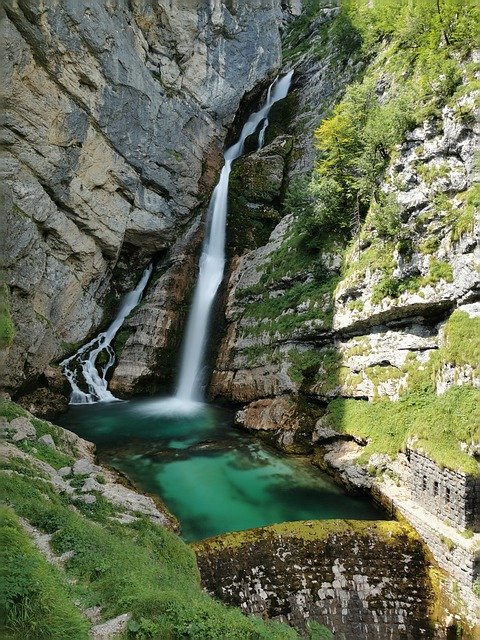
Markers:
point(34, 596)
point(464, 222)
point(439, 424)
point(279, 313)
point(6, 325)
point(392, 287)
point(461, 341)
point(139, 568)
point(47, 454)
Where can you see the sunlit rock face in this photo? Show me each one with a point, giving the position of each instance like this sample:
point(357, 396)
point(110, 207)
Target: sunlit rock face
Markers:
point(390, 310)
point(115, 121)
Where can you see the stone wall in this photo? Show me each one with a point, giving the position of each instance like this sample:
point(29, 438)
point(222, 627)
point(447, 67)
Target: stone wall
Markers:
point(366, 580)
point(451, 495)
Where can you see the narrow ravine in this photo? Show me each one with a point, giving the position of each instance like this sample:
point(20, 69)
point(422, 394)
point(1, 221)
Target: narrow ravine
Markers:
point(213, 478)
point(212, 260)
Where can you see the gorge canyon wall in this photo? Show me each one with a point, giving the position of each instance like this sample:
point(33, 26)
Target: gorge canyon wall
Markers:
point(114, 124)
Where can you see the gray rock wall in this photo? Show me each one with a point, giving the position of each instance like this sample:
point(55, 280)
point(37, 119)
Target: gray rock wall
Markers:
point(114, 121)
point(367, 581)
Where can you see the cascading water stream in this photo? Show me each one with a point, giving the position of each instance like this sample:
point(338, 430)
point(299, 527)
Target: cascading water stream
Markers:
point(212, 260)
point(85, 359)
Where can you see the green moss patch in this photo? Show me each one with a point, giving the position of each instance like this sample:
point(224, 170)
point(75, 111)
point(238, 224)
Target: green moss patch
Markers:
point(439, 424)
point(6, 323)
point(308, 530)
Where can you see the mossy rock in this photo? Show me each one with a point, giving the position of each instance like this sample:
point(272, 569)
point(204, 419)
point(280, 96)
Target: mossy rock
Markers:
point(258, 178)
point(280, 116)
point(302, 570)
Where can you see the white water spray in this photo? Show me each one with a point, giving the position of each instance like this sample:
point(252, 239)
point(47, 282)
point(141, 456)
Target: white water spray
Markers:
point(84, 361)
point(212, 260)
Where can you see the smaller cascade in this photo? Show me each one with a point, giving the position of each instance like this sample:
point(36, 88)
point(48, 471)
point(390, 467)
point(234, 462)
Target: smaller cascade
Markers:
point(261, 135)
point(84, 361)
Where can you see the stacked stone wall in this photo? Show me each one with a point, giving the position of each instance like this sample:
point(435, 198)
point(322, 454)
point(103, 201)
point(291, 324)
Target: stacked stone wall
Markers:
point(452, 496)
point(365, 581)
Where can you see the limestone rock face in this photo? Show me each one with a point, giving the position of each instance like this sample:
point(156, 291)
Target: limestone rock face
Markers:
point(115, 116)
point(390, 312)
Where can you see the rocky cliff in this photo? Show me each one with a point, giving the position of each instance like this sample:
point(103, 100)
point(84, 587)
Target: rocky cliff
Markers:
point(377, 316)
point(115, 118)
point(352, 334)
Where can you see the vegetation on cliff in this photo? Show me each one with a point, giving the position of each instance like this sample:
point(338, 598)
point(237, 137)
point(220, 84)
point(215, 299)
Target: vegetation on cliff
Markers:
point(418, 54)
point(355, 250)
point(6, 324)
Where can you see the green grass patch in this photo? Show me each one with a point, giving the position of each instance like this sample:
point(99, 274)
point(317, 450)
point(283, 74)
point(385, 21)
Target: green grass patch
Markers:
point(464, 221)
point(34, 598)
point(392, 287)
point(6, 324)
point(11, 410)
point(47, 454)
point(140, 568)
point(279, 313)
point(304, 365)
point(440, 423)
point(461, 341)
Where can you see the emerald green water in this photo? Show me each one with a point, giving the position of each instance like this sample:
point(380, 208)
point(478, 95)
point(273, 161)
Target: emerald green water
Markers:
point(214, 478)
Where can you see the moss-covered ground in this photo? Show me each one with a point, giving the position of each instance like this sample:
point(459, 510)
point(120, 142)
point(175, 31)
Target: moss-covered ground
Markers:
point(6, 324)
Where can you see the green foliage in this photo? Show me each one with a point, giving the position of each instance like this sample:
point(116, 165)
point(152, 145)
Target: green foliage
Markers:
point(438, 422)
point(139, 567)
point(464, 222)
point(280, 314)
point(304, 366)
point(417, 69)
point(439, 270)
point(393, 287)
point(6, 324)
point(339, 36)
point(47, 454)
point(317, 631)
point(385, 218)
point(476, 587)
point(462, 340)
point(34, 597)
point(11, 410)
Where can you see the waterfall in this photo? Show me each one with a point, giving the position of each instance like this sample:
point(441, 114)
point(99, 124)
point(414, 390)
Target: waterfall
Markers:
point(212, 260)
point(261, 135)
point(85, 359)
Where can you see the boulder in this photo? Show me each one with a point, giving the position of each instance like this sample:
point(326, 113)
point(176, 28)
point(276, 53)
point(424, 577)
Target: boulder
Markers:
point(22, 429)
